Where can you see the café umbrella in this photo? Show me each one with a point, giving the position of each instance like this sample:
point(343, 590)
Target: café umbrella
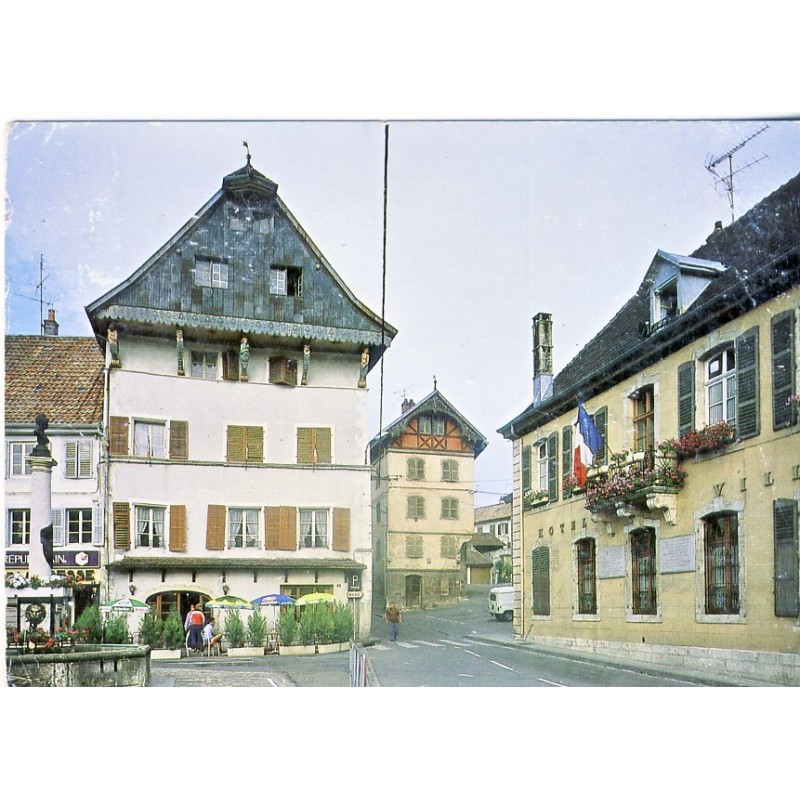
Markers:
point(314, 598)
point(124, 605)
point(228, 601)
point(274, 600)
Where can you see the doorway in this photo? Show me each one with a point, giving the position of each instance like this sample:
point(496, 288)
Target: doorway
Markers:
point(413, 591)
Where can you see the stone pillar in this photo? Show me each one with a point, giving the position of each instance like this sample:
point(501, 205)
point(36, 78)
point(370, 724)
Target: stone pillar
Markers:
point(41, 513)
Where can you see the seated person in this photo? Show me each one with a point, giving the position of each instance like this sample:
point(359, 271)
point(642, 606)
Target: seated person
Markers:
point(209, 637)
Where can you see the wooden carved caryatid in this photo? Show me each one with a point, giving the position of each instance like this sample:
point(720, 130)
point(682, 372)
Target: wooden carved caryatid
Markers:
point(362, 378)
point(179, 350)
point(113, 345)
point(306, 364)
point(244, 358)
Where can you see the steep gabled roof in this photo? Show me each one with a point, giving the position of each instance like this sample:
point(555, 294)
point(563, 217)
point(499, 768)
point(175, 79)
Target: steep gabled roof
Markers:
point(434, 403)
point(761, 255)
point(247, 229)
point(60, 376)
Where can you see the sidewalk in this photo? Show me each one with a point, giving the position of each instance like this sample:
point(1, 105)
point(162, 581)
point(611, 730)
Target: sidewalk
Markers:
point(707, 677)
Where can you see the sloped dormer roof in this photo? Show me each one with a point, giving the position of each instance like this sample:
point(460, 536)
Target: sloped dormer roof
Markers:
point(434, 403)
point(760, 253)
point(240, 234)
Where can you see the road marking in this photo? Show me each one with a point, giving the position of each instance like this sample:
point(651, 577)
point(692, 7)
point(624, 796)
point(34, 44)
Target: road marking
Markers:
point(472, 653)
point(406, 644)
point(381, 647)
point(455, 644)
point(562, 685)
point(498, 664)
point(429, 644)
point(465, 675)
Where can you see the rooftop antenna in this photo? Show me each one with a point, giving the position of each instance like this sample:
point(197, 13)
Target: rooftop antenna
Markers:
point(40, 290)
point(712, 162)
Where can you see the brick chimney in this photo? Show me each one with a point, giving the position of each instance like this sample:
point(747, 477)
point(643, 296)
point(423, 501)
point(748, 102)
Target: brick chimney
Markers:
point(49, 325)
point(542, 357)
point(407, 404)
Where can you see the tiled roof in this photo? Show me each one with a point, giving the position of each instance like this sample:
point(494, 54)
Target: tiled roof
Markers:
point(489, 513)
point(61, 376)
point(760, 253)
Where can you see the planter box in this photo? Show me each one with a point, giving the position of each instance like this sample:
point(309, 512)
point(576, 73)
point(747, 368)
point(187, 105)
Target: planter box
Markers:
point(298, 650)
point(245, 652)
point(162, 655)
point(334, 647)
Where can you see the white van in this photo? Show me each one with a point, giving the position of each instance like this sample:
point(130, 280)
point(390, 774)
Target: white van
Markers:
point(501, 601)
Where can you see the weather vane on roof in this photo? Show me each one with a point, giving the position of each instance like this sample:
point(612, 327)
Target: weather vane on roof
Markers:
point(247, 147)
point(434, 383)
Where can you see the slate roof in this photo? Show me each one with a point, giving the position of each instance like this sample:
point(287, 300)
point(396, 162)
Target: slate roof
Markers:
point(761, 253)
point(61, 376)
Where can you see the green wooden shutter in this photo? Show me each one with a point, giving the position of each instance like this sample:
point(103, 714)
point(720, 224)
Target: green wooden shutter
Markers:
point(787, 566)
point(526, 468)
point(122, 526)
point(566, 451)
point(178, 440)
point(747, 410)
point(235, 452)
point(540, 579)
point(783, 378)
point(552, 467)
point(601, 423)
point(686, 398)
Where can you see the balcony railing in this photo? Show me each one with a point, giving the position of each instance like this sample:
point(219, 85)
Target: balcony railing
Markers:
point(634, 480)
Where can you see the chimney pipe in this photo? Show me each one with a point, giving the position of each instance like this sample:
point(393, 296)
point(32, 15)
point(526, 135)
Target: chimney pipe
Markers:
point(49, 325)
point(407, 404)
point(542, 357)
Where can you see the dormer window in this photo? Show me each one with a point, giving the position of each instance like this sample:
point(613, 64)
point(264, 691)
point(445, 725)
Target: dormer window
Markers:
point(668, 301)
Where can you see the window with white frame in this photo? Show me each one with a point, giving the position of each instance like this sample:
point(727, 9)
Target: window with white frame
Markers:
point(204, 364)
point(243, 527)
point(542, 461)
point(19, 526)
point(149, 439)
point(211, 272)
point(721, 387)
point(313, 527)
point(79, 526)
point(150, 526)
point(78, 463)
point(17, 453)
point(286, 281)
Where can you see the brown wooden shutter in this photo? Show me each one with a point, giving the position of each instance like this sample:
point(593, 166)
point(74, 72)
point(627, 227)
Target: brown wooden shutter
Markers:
point(122, 526)
point(177, 528)
point(179, 440)
point(118, 436)
point(323, 445)
point(236, 444)
point(341, 529)
point(254, 443)
point(280, 523)
point(230, 366)
point(215, 528)
point(283, 370)
point(305, 445)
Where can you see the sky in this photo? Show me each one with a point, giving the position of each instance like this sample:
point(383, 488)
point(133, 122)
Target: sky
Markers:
point(489, 223)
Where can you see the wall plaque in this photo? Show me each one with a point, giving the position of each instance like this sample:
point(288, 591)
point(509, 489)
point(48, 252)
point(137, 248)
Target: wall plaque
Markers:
point(611, 562)
point(676, 554)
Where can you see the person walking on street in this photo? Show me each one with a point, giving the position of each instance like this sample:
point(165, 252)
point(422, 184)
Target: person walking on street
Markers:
point(394, 618)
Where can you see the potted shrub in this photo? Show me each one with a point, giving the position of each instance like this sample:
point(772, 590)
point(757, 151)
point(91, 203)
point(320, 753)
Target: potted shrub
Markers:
point(287, 628)
point(256, 634)
point(90, 624)
point(151, 630)
point(236, 636)
point(173, 637)
point(116, 631)
point(342, 625)
point(324, 629)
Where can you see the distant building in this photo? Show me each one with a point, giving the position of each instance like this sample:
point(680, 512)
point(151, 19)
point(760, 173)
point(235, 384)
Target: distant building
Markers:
point(237, 413)
point(682, 545)
point(61, 377)
point(495, 521)
point(422, 503)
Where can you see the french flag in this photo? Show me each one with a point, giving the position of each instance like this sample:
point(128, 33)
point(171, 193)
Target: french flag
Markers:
point(586, 440)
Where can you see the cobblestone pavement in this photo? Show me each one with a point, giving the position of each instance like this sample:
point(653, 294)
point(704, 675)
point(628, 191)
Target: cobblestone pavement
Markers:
point(183, 677)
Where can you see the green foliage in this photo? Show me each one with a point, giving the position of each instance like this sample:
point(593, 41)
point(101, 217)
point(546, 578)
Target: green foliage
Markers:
point(323, 623)
point(503, 570)
point(117, 630)
point(287, 627)
point(234, 630)
point(151, 630)
point(174, 634)
point(307, 626)
point(91, 622)
point(257, 630)
point(342, 623)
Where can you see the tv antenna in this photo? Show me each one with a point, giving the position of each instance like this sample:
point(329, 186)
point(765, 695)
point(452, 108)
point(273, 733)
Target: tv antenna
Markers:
point(712, 162)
